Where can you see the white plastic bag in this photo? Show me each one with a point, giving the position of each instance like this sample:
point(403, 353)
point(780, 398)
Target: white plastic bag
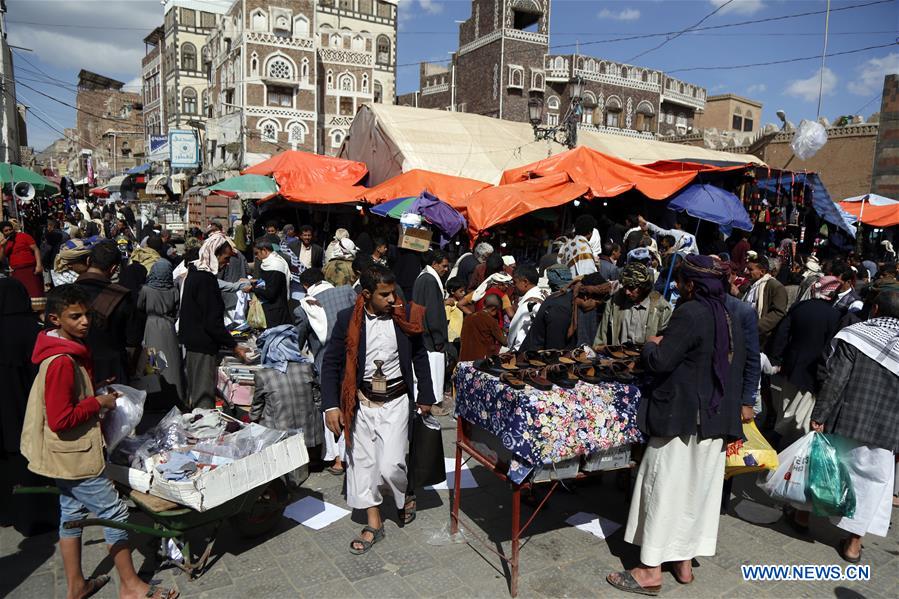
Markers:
point(808, 139)
point(788, 482)
point(121, 422)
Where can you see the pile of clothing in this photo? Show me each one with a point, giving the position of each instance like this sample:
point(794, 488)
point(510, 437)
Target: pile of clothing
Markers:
point(183, 446)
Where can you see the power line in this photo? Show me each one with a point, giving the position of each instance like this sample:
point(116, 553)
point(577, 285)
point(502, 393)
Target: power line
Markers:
point(682, 31)
point(784, 61)
point(96, 116)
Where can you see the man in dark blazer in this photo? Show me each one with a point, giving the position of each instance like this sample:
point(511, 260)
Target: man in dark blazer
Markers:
point(310, 254)
point(550, 327)
point(428, 292)
point(371, 363)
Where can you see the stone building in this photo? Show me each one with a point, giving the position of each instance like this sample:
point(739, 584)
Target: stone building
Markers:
point(109, 127)
point(292, 73)
point(153, 77)
point(503, 61)
point(885, 178)
point(731, 117)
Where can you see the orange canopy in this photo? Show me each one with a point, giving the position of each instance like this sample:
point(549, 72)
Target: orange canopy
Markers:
point(321, 193)
point(497, 205)
point(876, 216)
point(605, 176)
point(297, 170)
point(455, 191)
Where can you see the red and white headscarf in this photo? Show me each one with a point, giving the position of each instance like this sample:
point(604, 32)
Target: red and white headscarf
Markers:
point(207, 260)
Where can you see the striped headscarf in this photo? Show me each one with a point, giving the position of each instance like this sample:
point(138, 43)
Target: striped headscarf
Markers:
point(207, 261)
point(636, 276)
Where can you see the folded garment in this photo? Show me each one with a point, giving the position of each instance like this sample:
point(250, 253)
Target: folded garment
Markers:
point(179, 466)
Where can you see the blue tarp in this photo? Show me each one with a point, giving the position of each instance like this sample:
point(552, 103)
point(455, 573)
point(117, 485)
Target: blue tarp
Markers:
point(821, 200)
point(138, 170)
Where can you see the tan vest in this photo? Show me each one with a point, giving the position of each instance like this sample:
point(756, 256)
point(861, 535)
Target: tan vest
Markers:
point(74, 454)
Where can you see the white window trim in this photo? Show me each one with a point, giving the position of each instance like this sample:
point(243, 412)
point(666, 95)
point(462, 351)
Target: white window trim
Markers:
point(264, 14)
point(333, 135)
point(280, 56)
point(261, 127)
point(304, 132)
point(553, 103)
point(513, 69)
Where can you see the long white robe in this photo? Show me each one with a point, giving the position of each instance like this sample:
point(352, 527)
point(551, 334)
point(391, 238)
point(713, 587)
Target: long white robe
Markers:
point(872, 470)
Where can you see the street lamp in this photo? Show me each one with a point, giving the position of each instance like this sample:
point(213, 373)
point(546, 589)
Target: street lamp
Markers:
point(565, 132)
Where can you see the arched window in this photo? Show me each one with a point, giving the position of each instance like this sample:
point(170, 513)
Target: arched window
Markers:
point(624, 72)
point(304, 70)
point(590, 65)
point(645, 76)
point(346, 82)
point(300, 26)
point(383, 55)
point(335, 41)
point(560, 63)
point(553, 103)
point(748, 121)
point(358, 42)
point(189, 101)
point(364, 83)
point(379, 93)
point(337, 138)
point(613, 112)
point(330, 79)
point(259, 20)
point(602, 68)
point(188, 57)
point(589, 104)
point(537, 81)
point(681, 88)
point(279, 68)
point(268, 131)
point(645, 116)
point(296, 133)
point(254, 64)
point(515, 77)
point(207, 109)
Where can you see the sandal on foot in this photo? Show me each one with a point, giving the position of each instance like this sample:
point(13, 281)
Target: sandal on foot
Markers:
point(376, 535)
point(156, 592)
point(336, 471)
point(407, 515)
point(93, 585)
point(681, 580)
point(625, 581)
point(846, 557)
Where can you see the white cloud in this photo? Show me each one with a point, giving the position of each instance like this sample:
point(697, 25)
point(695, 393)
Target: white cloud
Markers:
point(807, 89)
point(756, 88)
point(431, 6)
point(739, 7)
point(869, 76)
point(625, 14)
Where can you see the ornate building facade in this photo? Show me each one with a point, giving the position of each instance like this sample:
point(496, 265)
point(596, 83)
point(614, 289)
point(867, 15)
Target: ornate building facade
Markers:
point(291, 74)
point(503, 61)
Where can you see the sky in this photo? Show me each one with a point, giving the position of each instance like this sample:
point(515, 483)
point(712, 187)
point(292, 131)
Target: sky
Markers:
point(106, 36)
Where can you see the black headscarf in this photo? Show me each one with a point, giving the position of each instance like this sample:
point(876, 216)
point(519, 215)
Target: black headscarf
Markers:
point(709, 289)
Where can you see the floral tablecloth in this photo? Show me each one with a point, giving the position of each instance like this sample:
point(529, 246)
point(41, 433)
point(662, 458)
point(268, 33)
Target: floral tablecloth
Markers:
point(549, 426)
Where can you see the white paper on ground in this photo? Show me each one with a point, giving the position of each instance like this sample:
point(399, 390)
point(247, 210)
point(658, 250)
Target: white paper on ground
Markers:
point(468, 481)
point(314, 513)
point(595, 525)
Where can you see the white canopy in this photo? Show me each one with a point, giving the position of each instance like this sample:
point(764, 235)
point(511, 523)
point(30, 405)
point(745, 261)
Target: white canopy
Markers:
point(395, 139)
point(873, 199)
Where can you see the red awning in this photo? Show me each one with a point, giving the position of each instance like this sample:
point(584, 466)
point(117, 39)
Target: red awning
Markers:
point(605, 176)
point(497, 205)
point(455, 191)
point(299, 170)
point(99, 192)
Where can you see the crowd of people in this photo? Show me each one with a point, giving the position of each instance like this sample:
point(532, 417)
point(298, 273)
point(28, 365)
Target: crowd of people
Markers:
point(734, 333)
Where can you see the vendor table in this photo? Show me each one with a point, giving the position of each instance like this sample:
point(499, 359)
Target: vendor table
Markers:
point(516, 433)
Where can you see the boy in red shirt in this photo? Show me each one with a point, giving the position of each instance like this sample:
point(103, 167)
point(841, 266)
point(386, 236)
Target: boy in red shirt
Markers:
point(24, 258)
point(61, 438)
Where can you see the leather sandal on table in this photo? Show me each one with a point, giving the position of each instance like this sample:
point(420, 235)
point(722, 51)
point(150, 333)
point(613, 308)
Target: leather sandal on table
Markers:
point(625, 581)
point(512, 379)
point(364, 546)
point(533, 358)
point(581, 357)
point(561, 376)
point(589, 374)
point(536, 379)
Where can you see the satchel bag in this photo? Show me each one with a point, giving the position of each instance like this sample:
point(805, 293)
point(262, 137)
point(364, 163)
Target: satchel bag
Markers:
point(425, 460)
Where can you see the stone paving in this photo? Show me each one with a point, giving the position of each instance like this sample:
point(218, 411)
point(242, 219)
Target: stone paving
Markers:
point(421, 561)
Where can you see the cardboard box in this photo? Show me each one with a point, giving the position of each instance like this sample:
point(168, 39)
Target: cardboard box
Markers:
point(611, 459)
point(417, 240)
point(217, 486)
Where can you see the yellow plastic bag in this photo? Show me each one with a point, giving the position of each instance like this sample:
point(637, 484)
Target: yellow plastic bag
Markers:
point(752, 455)
point(256, 315)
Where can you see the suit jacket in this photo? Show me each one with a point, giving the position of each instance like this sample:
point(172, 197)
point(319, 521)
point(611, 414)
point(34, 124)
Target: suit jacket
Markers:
point(426, 292)
point(549, 328)
point(774, 308)
point(744, 315)
point(318, 254)
point(284, 401)
point(683, 389)
point(412, 356)
point(333, 301)
point(801, 340)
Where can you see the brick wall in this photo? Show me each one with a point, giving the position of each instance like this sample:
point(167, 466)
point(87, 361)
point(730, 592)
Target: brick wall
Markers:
point(885, 179)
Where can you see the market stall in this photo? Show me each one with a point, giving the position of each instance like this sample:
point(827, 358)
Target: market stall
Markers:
point(530, 436)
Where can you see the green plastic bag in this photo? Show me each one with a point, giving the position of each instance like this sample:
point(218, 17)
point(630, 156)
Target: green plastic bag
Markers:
point(829, 486)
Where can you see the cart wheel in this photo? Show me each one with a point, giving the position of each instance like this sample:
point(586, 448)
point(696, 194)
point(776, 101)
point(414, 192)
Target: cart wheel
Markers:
point(265, 512)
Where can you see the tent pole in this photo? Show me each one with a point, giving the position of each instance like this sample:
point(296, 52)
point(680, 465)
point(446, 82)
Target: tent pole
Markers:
point(859, 233)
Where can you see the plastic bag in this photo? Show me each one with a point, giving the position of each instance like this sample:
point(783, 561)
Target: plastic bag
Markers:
point(788, 482)
point(121, 422)
point(256, 315)
point(752, 455)
point(425, 463)
point(829, 485)
point(808, 139)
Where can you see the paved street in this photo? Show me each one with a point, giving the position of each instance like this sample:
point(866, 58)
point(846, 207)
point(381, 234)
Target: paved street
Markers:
point(557, 561)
